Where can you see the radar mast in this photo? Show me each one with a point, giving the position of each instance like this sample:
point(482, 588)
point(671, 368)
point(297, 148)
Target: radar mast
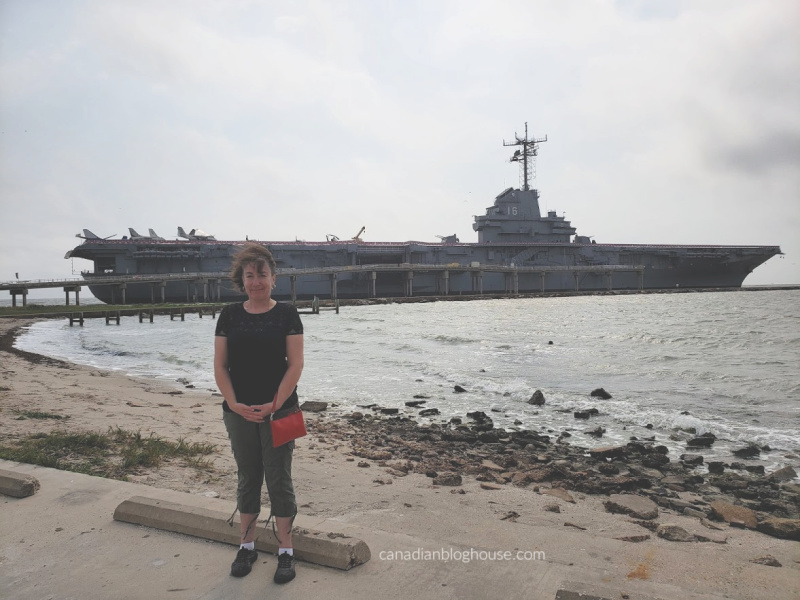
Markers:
point(526, 156)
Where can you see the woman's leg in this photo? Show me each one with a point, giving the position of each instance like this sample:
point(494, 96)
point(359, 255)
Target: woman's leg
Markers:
point(246, 445)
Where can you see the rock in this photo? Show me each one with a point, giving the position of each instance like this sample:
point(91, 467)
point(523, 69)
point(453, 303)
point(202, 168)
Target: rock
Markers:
point(553, 508)
point(459, 436)
point(716, 467)
point(479, 416)
point(537, 399)
point(489, 437)
point(716, 540)
point(651, 525)
point(313, 406)
point(490, 486)
point(629, 504)
point(390, 411)
point(600, 393)
point(693, 512)
point(611, 485)
point(364, 464)
point(560, 493)
point(373, 454)
point(608, 452)
point(675, 503)
point(421, 397)
point(692, 459)
point(703, 441)
point(673, 533)
point(709, 524)
point(725, 511)
point(520, 479)
point(767, 559)
point(458, 389)
point(755, 469)
point(452, 479)
point(542, 474)
point(596, 432)
point(786, 529)
point(492, 466)
point(784, 474)
point(356, 416)
point(585, 414)
point(432, 474)
point(748, 451)
point(415, 403)
point(655, 461)
point(633, 538)
point(428, 412)
point(608, 469)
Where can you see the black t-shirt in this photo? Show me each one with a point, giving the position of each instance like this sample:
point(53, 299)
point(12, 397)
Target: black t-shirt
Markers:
point(257, 350)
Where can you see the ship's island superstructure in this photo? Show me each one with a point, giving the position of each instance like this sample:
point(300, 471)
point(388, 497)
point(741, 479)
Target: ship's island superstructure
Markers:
point(545, 252)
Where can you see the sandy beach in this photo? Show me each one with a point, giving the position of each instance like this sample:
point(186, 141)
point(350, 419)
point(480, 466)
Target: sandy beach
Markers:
point(347, 472)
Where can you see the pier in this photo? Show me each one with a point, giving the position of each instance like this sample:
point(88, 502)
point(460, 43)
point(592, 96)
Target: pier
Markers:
point(207, 287)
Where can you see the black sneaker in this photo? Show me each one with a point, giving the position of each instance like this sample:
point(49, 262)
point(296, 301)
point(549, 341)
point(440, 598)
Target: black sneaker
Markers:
point(244, 562)
point(285, 571)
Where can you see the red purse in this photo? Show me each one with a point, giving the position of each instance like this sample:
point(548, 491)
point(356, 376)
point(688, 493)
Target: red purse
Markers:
point(286, 426)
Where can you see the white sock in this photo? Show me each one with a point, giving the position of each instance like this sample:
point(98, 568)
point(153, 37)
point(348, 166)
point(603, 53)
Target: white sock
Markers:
point(288, 551)
point(249, 545)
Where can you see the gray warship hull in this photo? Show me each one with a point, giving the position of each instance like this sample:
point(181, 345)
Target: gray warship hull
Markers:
point(662, 267)
point(518, 250)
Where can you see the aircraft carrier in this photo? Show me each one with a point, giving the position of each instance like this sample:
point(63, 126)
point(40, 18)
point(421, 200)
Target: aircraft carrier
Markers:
point(545, 253)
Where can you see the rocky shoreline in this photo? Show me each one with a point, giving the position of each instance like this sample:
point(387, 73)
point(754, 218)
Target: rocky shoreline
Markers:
point(639, 477)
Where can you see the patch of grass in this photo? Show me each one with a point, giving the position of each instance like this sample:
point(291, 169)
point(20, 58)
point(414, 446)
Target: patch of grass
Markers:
point(115, 454)
point(37, 414)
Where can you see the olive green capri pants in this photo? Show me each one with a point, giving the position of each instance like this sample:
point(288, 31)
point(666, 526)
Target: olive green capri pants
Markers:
point(258, 461)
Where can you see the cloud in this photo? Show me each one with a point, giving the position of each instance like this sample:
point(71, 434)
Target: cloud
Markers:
point(666, 123)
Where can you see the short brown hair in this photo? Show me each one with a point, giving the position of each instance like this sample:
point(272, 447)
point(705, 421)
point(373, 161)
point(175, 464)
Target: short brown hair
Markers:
point(251, 254)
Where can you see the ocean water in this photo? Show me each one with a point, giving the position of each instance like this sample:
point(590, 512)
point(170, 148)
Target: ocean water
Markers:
point(724, 362)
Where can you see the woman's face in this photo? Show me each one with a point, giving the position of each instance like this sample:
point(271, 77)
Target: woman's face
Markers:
point(258, 281)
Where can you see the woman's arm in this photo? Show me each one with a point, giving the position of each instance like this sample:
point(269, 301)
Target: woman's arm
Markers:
point(223, 379)
point(294, 361)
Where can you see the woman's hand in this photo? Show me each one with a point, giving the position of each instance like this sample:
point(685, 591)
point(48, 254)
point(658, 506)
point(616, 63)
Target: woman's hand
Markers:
point(254, 414)
point(265, 409)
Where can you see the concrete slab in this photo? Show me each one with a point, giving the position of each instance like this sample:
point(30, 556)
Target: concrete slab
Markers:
point(17, 485)
point(63, 543)
point(327, 549)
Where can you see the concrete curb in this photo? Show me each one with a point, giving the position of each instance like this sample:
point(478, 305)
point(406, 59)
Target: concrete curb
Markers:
point(17, 485)
point(327, 549)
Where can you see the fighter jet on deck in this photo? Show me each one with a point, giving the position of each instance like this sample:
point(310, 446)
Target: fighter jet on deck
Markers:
point(88, 235)
point(195, 234)
point(138, 236)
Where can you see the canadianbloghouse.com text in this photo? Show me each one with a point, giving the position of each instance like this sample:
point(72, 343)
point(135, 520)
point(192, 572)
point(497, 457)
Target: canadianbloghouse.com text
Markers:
point(457, 555)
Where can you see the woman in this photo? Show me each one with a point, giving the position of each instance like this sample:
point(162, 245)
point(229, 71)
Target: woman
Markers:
point(258, 359)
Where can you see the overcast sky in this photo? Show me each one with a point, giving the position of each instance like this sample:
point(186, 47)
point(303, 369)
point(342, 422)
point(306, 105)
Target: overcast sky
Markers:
point(666, 122)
